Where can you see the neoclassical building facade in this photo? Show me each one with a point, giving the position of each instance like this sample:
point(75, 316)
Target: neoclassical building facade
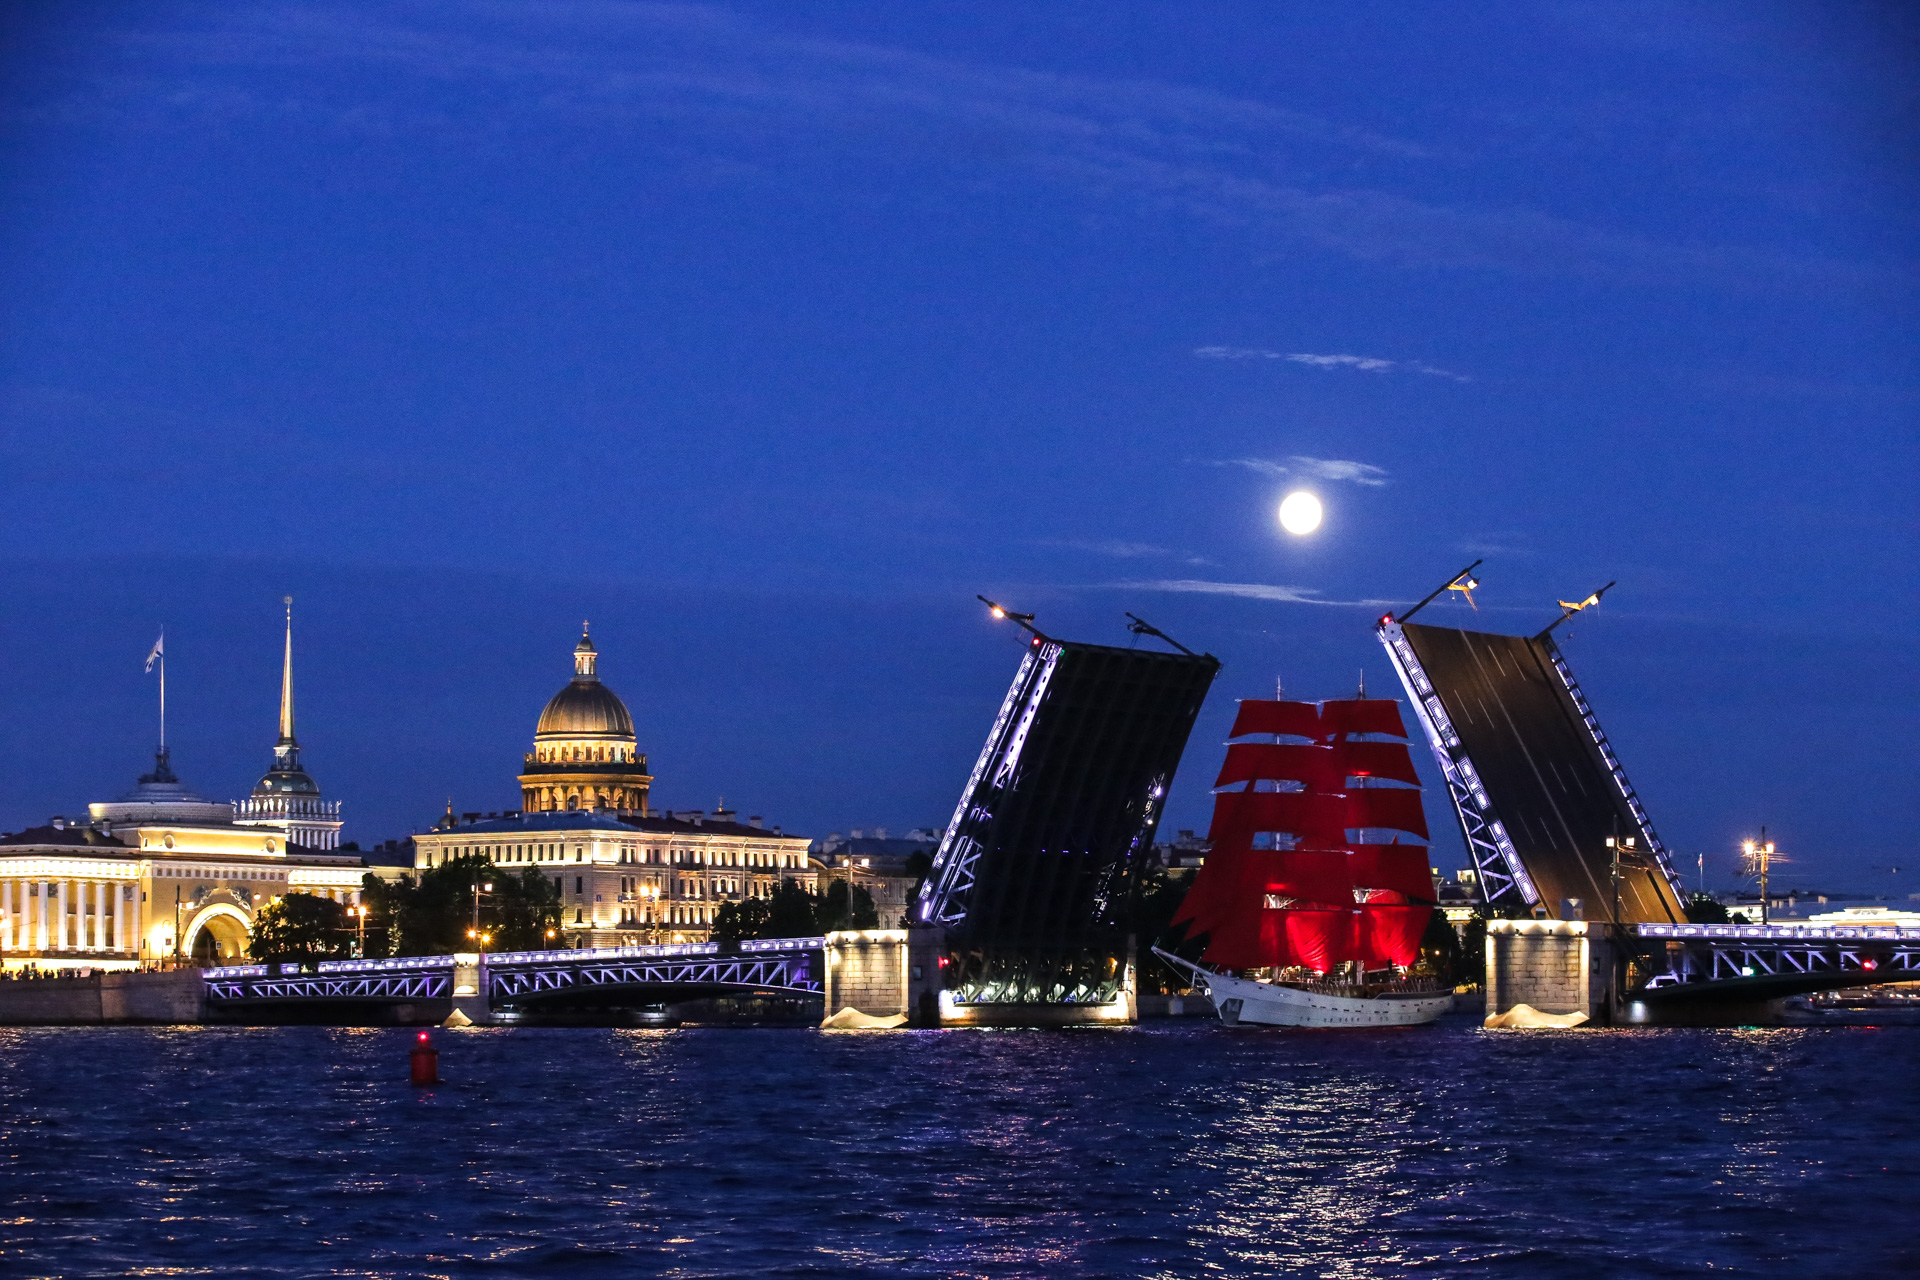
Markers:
point(585, 754)
point(157, 875)
point(624, 872)
point(162, 875)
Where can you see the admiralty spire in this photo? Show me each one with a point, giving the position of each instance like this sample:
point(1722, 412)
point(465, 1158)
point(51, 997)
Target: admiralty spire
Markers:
point(287, 797)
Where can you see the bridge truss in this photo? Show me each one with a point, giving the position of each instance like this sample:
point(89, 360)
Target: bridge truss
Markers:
point(776, 965)
point(408, 978)
point(1686, 960)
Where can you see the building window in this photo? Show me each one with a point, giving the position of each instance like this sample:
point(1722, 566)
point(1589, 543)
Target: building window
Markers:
point(579, 884)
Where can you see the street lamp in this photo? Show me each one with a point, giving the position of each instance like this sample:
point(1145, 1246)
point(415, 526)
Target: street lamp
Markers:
point(360, 913)
point(1617, 844)
point(1759, 856)
point(478, 889)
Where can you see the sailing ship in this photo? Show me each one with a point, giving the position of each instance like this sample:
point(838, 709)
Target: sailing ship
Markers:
point(1313, 898)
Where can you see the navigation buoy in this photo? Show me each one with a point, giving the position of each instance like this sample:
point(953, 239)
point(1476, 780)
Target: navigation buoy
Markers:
point(426, 1060)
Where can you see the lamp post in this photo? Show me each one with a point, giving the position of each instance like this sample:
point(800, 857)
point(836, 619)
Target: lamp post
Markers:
point(1616, 844)
point(1759, 854)
point(478, 889)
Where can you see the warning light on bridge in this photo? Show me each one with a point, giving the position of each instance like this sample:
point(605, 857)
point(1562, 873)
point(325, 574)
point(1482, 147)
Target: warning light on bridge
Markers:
point(1869, 964)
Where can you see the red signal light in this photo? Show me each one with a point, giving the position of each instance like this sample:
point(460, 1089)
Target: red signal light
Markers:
point(423, 1037)
point(1869, 965)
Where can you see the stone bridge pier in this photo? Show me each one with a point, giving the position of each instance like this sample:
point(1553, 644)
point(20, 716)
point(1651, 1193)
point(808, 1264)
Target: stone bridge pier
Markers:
point(1586, 966)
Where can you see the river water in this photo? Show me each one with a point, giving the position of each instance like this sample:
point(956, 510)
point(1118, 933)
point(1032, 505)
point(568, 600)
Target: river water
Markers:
point(1171, 1149)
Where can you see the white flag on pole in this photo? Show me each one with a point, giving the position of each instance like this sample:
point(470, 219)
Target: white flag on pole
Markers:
point(159, 651)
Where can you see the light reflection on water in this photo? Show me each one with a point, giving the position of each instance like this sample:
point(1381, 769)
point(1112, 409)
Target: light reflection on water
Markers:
point(1167, 1150)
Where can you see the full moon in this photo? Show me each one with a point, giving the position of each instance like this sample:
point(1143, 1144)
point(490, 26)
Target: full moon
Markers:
point(1300, 512)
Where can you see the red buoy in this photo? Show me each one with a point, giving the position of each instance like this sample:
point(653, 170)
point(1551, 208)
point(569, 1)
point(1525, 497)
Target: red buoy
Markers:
point(426, 1061)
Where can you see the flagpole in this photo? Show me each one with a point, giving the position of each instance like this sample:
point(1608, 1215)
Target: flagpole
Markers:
point(163, 689)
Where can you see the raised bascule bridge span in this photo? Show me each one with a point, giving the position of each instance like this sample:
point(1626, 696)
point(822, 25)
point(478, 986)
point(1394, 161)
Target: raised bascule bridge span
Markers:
point(1586, 912)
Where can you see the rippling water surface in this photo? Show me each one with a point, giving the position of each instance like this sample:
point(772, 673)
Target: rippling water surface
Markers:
point(1172, 1149)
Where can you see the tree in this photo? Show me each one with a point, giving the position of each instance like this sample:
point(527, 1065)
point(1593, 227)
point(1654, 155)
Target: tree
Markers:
point(1156, 901)
point(1473, 948)
point(918, 865)
point(431, 913)
point(737, 920)
point(1704, 908)
point(1440, 948)
point(300, 928)
point(793, 913)
point(835, 911)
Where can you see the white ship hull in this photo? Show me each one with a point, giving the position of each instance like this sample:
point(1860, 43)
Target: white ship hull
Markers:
point(1269, 1004)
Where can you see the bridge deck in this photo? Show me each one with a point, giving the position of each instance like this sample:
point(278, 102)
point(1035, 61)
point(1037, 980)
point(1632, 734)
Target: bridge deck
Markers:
point(1770, 961)
point(786, 965)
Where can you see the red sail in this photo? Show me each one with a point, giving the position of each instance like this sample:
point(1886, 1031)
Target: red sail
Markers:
point(1308, 815)
point(1298, 719)
point(1389, 809)
point(1374, 760)
point(1389, 933)
point(1318, 939)
point(1283, 762)
point(1320, 901)
point(1358, 715)
point(1396, 868)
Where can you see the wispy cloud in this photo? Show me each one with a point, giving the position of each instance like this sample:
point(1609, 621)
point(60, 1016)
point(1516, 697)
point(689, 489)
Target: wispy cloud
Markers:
point(724, 93)
point(1246, 591)
point(1300, 467)
point(1371, 364)
point(1123, 550)
point(1107, 547)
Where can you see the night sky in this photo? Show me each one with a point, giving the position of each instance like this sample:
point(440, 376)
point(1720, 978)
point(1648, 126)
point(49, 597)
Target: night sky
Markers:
point(765, 336)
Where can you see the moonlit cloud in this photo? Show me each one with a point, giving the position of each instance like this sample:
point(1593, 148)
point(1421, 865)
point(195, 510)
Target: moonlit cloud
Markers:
point(1108, 547)
point(1244, 590)
point(1341, 469)
point(1300, 467)
point(1369, 364)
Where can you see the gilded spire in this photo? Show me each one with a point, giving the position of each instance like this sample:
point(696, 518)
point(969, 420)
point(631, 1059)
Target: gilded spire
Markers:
point(286, 680)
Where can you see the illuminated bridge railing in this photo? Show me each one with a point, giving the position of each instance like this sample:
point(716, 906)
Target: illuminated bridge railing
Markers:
point(406, 978)
point(767, 964)
point(784, 964)
point(1801, 956)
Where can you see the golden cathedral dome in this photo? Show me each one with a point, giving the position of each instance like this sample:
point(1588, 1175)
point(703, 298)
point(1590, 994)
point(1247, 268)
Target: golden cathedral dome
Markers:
point(584, 752)
point(585, 708)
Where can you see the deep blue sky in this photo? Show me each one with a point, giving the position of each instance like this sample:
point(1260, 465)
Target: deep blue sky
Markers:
point(766, 335)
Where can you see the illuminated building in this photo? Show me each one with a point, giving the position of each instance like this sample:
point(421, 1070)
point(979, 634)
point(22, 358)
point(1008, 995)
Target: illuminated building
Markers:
point(161, 873)
point(156, 875)
point(625, 874)
point(585, 755)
